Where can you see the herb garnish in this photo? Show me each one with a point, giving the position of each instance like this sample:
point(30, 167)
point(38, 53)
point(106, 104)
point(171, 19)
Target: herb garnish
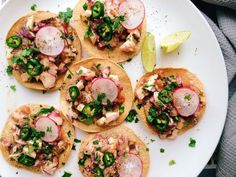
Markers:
point(121, 65)
point(33, 7)
point(66, 16)
point(132, 116)
point(192, 143)
point(85, 6)
point(69, 133)
point(13, 87)
point(9, 70)
point(77, 140)
point(188, 97)
point(121, 109)
point(172, 162)
point(88, 32)
point(66, 174)
point(162, 150)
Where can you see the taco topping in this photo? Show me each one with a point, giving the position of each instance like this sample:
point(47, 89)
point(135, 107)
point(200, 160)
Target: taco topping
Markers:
point(169, 105)
point(112, 24)
point(95, 96)
point(37, 140)
point(42, 50)
point(111, 156)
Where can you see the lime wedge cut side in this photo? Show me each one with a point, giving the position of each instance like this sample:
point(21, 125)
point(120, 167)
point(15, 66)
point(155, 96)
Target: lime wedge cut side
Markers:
point(171, 42)
point(149, 52)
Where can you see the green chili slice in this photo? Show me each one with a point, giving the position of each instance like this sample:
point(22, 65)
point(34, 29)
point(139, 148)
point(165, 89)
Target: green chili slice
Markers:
point(105, 31)
point(25, 133)
point(34, 67)
point(97, 10)
point(14, 42)
point(98, 172)
point(108, 159)
point(26, 160)
point(73, 92)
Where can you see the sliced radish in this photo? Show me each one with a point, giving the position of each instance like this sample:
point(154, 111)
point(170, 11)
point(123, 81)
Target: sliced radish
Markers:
point(106, 86)
point(50, 128)
point(134, 13)
point(186, 101)
point(130, 165)
point(49, 42)
point(56, 117)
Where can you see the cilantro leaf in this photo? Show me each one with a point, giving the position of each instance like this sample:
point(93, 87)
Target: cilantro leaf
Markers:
point(66, 16)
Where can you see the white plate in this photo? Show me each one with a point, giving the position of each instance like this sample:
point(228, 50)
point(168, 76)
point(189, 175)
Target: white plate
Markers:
point(201, 54)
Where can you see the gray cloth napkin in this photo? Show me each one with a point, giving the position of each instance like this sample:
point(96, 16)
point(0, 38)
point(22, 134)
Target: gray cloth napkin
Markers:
point(225, 32)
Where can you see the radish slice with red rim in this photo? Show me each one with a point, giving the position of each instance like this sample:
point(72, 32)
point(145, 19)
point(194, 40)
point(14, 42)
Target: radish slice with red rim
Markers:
point(56, 117)
point(50, 128)
point(130, 165)
point(49, 42)
point(106, 86)
point(134, 13)
point(186, 101)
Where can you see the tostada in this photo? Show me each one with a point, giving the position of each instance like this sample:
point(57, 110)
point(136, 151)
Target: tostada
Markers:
point(40, 47)
point(97, 94)
point(170, 101)
point(113, 29)
point(37, 138)
point(115, 152)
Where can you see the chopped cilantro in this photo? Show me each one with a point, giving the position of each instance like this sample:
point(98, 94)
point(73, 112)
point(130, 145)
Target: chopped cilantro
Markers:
point(172, 162)
point(80, 72)
point(98, 66)
point(101, 96)
point(152, 140)
point(117, 23)
point(77, 140)
point(121, 65)
point(63, 36)
point(121, 109)
point(139, 106)
point(192, 143)
point(162, 150)
point(69, 133)
point(85, 6)
point(66, 16)
point(147, 149)
point(66, 174)
point(9, 70)
point(13, 87)
point(95, 142)
point(69, 76)
point(63, 163)
point(71, 37)
point(74, 147)
point(186, 122)
point(49, 129)
point(45, 111)
point(33, 7)
point(131, 116)
point(188, 97)
point(88, 32)
point(129, 59)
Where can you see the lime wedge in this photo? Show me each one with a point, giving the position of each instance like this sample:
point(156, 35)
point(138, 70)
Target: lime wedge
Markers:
point(174, 40)
point(149, 52)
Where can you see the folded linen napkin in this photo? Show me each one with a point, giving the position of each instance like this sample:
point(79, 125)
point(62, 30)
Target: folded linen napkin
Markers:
point(225, 32)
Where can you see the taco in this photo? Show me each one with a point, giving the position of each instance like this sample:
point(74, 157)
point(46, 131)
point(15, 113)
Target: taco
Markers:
point(116, 152)
point(170, 101)
point(111, 29)
point(37, 138)
point(96, 95)
point(40, 47)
